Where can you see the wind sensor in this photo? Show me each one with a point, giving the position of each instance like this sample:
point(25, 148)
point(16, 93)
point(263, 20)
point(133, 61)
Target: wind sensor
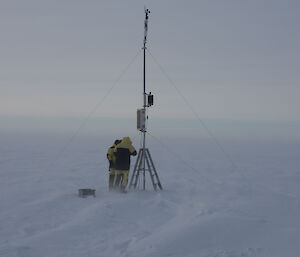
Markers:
point(144, 160)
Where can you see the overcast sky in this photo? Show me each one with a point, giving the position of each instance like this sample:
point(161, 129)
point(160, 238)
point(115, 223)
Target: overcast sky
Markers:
point(232, 60)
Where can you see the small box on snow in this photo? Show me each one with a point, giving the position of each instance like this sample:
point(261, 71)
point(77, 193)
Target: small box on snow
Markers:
point(84, 192)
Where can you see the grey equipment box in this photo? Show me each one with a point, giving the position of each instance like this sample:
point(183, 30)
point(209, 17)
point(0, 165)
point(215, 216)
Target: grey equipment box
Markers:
point(86, 192)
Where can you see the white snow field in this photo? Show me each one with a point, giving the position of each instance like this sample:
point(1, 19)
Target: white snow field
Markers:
point(208, 208)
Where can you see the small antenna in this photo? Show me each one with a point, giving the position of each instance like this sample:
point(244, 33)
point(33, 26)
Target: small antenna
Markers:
point(147, 12)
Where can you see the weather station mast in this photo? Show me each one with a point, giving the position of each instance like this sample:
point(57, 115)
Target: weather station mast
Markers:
point(144, 160)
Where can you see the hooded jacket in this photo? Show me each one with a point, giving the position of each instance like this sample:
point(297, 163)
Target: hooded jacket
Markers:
point(122, 152)
point(111, 156)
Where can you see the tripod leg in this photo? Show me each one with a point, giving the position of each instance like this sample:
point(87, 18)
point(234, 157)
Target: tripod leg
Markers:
point(155, 173)
point(135, 169)
point(144, 170)
point(138, 169)
point(150, 171)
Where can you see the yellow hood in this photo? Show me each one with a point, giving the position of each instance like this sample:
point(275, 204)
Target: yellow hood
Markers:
point(126, 141)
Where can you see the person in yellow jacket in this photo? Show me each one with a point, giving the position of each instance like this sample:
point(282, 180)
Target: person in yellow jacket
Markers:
point(123, 152)
point(112, 163)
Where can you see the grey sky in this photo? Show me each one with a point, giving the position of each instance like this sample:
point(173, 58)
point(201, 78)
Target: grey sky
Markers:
point(231, 59)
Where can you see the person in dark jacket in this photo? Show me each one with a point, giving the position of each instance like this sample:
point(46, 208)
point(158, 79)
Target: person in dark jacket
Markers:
point(123, 151)
point(112, 163)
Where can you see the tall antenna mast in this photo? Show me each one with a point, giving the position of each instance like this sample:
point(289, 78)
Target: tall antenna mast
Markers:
point(147, 12)
point(144, 160)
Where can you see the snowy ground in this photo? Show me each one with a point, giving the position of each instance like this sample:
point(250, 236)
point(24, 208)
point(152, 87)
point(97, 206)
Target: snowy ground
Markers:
point(207, 208)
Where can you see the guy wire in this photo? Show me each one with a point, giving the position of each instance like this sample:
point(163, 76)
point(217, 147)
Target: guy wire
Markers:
point(194, 112)
point(178, 157)
point(93, 110)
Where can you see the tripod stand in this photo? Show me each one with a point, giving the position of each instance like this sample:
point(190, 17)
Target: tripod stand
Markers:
point(144, 163)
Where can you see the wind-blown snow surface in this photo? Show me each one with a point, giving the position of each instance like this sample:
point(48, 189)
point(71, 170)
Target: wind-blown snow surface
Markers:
point(207, 207)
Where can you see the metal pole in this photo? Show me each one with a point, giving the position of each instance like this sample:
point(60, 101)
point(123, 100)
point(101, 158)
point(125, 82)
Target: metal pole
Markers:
point(144, 158)
point(144, 107)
